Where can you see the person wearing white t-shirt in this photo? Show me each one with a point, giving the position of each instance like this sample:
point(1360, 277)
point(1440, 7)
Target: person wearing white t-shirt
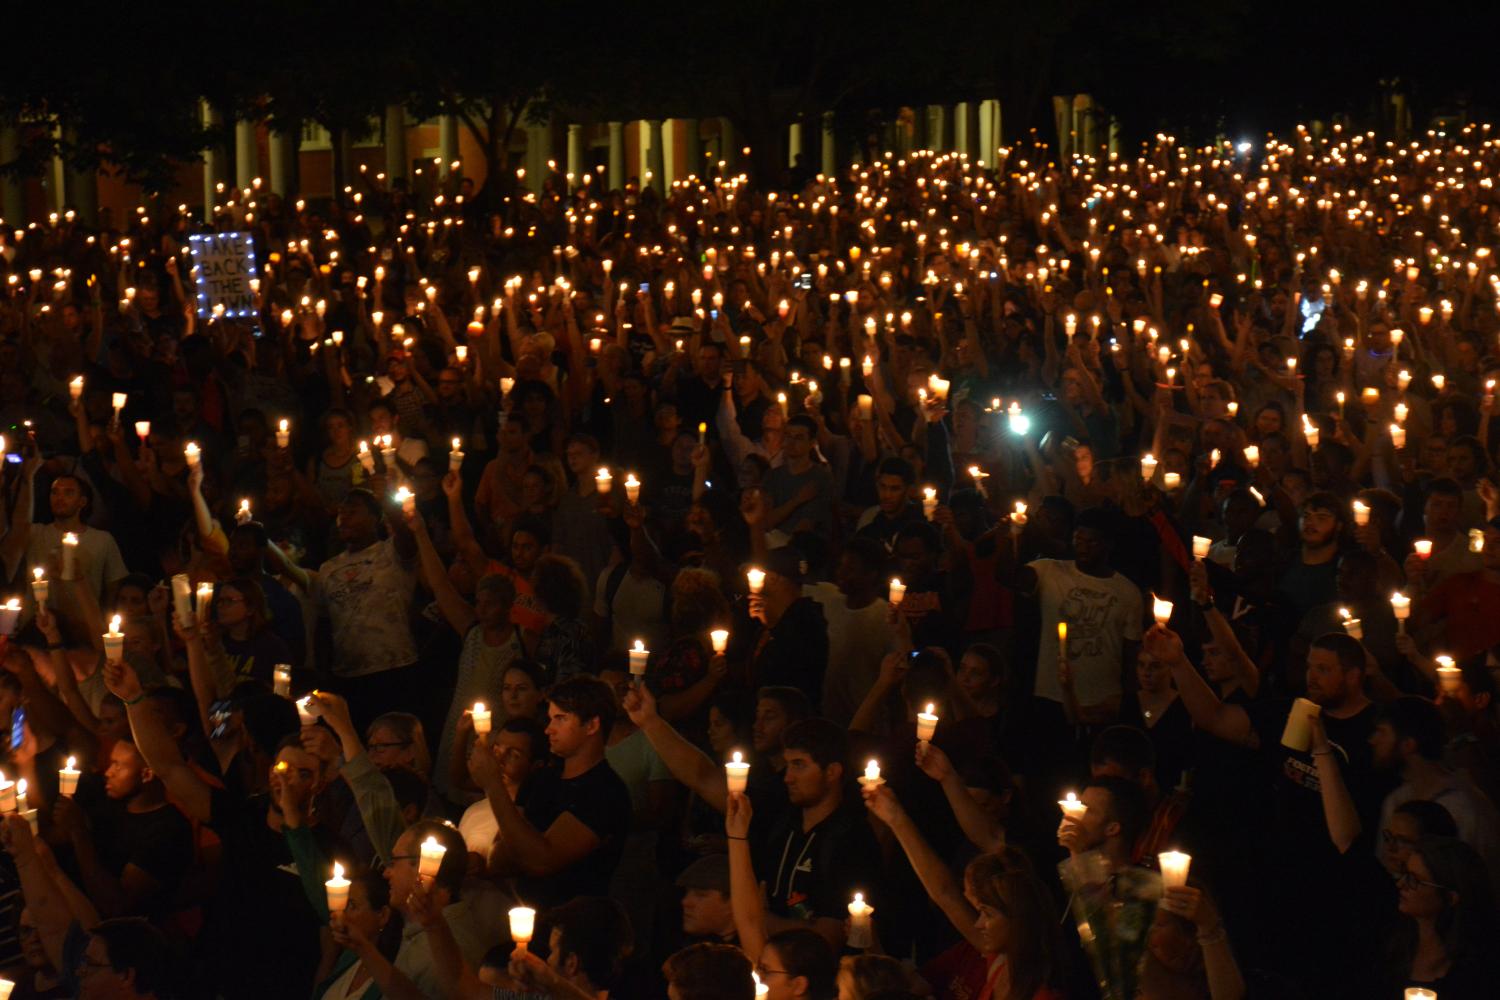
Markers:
point(1102, 610)
point(859, 628)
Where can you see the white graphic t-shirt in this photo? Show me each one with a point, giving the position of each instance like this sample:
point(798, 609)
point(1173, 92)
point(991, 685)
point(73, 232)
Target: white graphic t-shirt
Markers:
point(1103, 613)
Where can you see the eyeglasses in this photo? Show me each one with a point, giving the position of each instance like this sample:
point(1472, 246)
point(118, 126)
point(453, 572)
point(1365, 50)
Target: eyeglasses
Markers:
point(763, 972)
point(387, 746)
point(1406, 880)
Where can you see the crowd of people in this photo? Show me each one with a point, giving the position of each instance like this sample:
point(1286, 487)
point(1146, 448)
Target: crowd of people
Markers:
point(1019, 581)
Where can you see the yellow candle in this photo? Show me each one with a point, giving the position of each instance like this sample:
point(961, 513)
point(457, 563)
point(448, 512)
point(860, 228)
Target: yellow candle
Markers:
point(1201, 546)
point(430, 858)
point(192, 453)
point(632, 488)
point(719, 637)
point(1161, 610)
point(1174, 868)
point(756, 578)
point(859, 922)
point(1423, 547)
point(898, 592)
point(67, 777)
point(638, 656)
point(1148, 467)
point(281, 680)
point(1449, 676)
point(736, 773)
point(926, 724)
point(338, 890)
point(602, 480)
point(522, 925)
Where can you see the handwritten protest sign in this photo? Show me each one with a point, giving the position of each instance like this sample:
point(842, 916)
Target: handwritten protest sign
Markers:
point(223, 267)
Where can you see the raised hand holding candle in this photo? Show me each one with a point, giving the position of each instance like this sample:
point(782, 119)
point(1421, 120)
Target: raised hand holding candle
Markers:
point(639, 654)
point(871, 778)
point(307, 711)
point(1252, 455)
point(40, 587)
point(898, 592)
point(1174, 868)
point(114, 641)
point(1361, 513)
point(756, 578)
point(456, 455)
point(736, 773)
point(338, 891)
point(283, 433)
point(522, 925)
point(430, 858)
point(243, 515)
point(70, 556)
point(1072, 806)
point(1171, 480)
point(1161, 610)
point(719, 638)
point(182, 597)
point(926, 724)
point(602, 480)
point(632, 489)
point(929, 501)
point(1201, 546)
point(1401, 608)
point(143, 430)
point(859, 922)
point(192, 454)
point(482, 717)
point(1148, 467)
point(407, 499)
point(67, 777)
point(979, 476)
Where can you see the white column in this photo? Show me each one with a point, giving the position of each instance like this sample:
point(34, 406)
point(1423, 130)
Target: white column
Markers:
point(213, 157)
point(82, 188)
point(692, 147)
point(576, 167)
point(396, 161)
point(793, 144)
point(655, 155)
point(937, 128)
point(12, 201)
point(1084, 129)
point(447, 143)
point(963, 135)
point(1114, 136)
point(538, 152)
point(729, 146)
point(830, 157)
point(1062, 113)
point(989, 136)
point(281, 148)
point(616, 176)
point(246, 155)
point(669, 152)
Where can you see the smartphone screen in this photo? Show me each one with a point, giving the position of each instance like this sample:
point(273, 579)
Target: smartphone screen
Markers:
point(17, 728)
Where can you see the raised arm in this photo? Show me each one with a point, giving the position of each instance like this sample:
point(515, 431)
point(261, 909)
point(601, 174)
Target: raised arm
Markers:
point(1228, 722)
point(156, 745)
point(936, 878)
point(689, 765)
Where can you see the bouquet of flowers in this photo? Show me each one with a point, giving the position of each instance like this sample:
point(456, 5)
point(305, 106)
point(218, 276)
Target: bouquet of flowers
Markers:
point(1114, 911)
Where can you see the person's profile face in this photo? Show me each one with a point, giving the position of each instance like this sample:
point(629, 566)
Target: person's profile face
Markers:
point(770, 722)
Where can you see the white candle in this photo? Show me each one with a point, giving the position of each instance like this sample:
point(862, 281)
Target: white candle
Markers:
point(70, 556)
point(632, 488)
point(603, 480)
point(866, 406)
point(1418, 993)
point(736, 773)
point(1171, 480)
point(1449, 676)
point(67, 777)
point(719, 638)
point(1072, 806)
point(21, 805)
point(118, 400)
point(638, 656)
point(10, 613)
point(407, 499)
point(7, 795)
point(871, 777)
point(243, 515)
point(1361, 513)
point(1201, 546)
point(1423, 547)
point(431, 858)
point(929, 501)
point(1252, 455)
point(756, 578)
point(30, 816)
point(114, 641)
point(482, 716)
point(1148, 467)
point(1476, 540)
point(898, 592)
point(281, 680)
point(1400, 606)
point(455, 456)
point(859, 922)
point(75, 387)
point(1174, 868)
point(1398, 436)
point(182, 597)
point(192, 453)
point(338, 890)
point(926, 724)
point(1297, 735)
point(283, 433)
point(979, 476)
point(143, 429)
point(306, 713)
point(40, 586)
point(522, 925)
point(1161, 610)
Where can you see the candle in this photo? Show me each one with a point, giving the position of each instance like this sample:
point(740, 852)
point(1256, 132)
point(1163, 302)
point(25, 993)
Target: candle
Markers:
point(1073, 808)
point(506, 385)
point(192, 453)
point(1062, 639)
point(632, 488)
point(898, 592)
point(281, 680)
point(736, 774)
point(338, 890)
point(703, 427)
point(1351, 624)
point(929, 501)
point(431, 858)
point(205, 601)
point(859, 922)
point(757, 579)
point(1399, 411)
point(638, 656)
point(1398, 436)
point(455, 455)
point(1476, 540)
point(979, 476)
point(306, 711)
point(1449, 676)
point(1252, 455)
point(1161, 610)
point(10, 613)
point(182, 597)
point(114, 641)
point(143, 429)
point(719, 637)
point(70, 556)
point(1148, 467)
point(407, 499)
point(67, 777)
point(481, 716)
point(871, 778)
point(75, 387)
point(118, 400)
point(1298, 732)
point(40, 586)
point(243, 515)
point(21, 795)
point(522, 925)
point(866, 406)
point(1418, 993)
point(1423, 547)
point(30, 816)
point(1201, 546)
point(1361, 513)
point(1310, 431)
point(1171, 480)
point(1174, 868)
point(602, 480)
point(1401, 608)
point(283, 433)
point(926, 724)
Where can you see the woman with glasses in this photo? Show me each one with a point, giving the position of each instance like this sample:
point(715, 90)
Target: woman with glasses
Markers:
point(1446, 938)
point(797, 964)
point(250, 645)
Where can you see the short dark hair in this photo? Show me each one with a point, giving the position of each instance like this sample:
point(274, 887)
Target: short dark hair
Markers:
point(793, 701)
point(868, 552)
point(1097, 519)
point(1347, 648)
point(710, 972)
point(805, 422)
point(1324, 500)
point(532, 730)
point(137, 947)
point(85, 490)
point(559, 585)
point(455, 864)
point(806, 953)
point(923, 532)
point(825, 742)
point(586, 697)
point(895, 465)
point(1433, 817)
point(1418, 720)
point(1126, 746)
point(596, 931)
point(534, 526)
point(1127, 805)
point(1446, 486)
